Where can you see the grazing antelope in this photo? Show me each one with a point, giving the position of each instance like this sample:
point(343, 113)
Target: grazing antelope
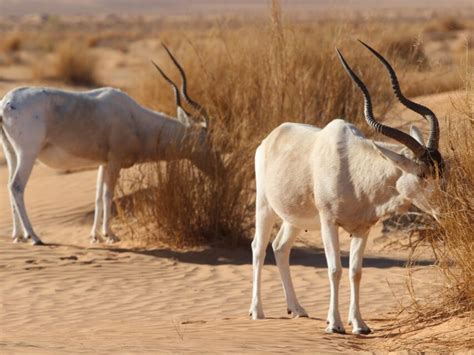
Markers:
point(102, 128)
point(334, 177)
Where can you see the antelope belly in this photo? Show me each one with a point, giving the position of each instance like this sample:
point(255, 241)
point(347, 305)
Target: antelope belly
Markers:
point(57, 158)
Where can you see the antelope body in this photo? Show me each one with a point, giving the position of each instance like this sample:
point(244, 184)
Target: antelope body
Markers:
point(333, 177)
point(102, 128)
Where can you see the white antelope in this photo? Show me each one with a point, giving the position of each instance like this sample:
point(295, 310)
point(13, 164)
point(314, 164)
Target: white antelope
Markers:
point(333, 177)
point(102, 128)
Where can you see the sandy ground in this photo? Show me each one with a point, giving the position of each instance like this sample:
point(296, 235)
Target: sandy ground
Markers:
point(69, 296)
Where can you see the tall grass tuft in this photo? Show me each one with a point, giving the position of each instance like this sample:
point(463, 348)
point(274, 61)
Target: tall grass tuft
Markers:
point(11, 42)
point(251, 79)
point(74, 64)
point(451, 239)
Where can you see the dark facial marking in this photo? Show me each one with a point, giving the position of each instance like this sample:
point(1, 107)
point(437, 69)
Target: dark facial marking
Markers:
point(434, 161)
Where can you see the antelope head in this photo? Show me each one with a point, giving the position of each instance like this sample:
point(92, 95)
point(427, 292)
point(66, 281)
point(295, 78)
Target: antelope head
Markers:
point(422, 163)
point(197, 143)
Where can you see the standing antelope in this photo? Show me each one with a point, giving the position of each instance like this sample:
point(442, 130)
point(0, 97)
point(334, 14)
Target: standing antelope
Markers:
point(102, 128)
point(334, 177)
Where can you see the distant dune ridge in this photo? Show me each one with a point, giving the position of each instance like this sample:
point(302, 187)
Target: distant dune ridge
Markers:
point(188, 7)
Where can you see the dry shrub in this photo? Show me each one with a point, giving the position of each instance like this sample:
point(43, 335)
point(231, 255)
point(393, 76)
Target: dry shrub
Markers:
point(250, 79)
point(451, 240)
point(11, 42)
point(74, 64)
point(10, 46)
point(422, 83)
point(445, 24)
point(409, 51)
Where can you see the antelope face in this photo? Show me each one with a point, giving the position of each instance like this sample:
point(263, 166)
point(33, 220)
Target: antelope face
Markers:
point(418, 188)
point(204, 156)
point(417, 182)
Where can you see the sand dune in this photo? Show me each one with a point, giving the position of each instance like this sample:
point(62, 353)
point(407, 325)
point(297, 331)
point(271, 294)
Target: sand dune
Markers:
point(64, 297)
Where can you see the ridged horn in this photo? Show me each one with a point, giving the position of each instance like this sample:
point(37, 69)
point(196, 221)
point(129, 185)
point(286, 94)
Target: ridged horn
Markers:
point(173, 85)
point(390, 132)
point(184, 88)
point(433, 139)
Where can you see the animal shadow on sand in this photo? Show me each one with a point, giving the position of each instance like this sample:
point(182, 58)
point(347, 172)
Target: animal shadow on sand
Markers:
point(303, 256)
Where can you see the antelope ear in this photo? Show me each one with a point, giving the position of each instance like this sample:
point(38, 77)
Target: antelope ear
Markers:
point(183, 117)
point(416, 133)
point(399, 160)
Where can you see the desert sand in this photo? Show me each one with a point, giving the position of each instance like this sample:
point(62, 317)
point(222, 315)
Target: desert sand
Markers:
point(72, 296)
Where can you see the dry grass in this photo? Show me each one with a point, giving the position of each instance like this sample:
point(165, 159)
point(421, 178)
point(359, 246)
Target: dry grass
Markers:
point(71, 63)
point(10, 46)
point(442, 81)
point(251, 79)
point(451, 241)
point(408, 47)
point(445, 24)
point(11, 42)
point(75, 65)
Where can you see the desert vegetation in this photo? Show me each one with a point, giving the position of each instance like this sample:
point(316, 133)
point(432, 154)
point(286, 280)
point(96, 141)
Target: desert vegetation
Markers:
point(451, 239)
point(263, 75)
point(252, 74)
point(74, 64)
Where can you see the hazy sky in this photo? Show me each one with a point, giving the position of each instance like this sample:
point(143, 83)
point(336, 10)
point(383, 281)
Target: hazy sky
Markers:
point(187, 7)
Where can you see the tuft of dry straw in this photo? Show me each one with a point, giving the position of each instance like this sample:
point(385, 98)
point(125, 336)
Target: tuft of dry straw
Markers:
point(250, 79)
point(452, 241)
point(72, 63)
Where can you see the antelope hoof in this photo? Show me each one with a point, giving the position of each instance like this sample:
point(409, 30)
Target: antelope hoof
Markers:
point(37, 242)
point(256, 314)
point(297, 312)
point(362, 331)
point(335, 329)
point(19, 239)
point(112, 239)
point(95, 239)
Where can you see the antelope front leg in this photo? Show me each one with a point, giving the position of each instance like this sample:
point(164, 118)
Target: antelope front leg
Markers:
point(358, 244)
point(99, 207)
point(111, 175)
point(330, 236)
point(282, 248)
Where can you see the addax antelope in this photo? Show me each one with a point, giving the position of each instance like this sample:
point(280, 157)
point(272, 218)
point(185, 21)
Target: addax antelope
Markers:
point(331, 177)
point(102, 128)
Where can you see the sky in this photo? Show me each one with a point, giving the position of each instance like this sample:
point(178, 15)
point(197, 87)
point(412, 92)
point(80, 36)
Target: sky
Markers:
point(202, 7)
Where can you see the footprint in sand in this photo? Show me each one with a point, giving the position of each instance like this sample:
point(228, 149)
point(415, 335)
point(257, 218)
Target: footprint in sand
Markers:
point(72, 257)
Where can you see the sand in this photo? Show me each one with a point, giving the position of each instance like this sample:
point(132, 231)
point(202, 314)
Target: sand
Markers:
point(70, 296)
